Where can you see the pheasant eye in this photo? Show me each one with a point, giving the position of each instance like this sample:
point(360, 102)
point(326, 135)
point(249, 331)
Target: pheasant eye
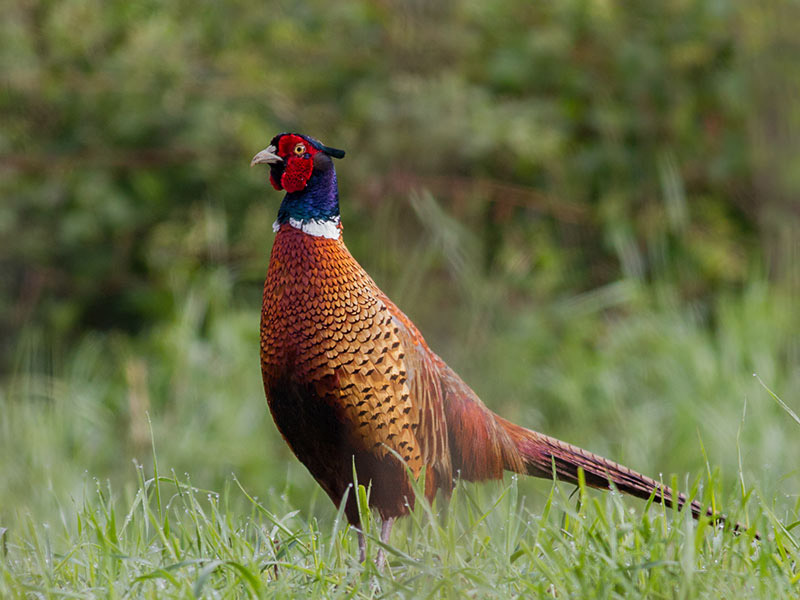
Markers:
point(300, 149)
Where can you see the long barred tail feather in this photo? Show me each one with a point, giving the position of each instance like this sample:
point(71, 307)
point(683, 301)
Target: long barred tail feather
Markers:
point(543, 456)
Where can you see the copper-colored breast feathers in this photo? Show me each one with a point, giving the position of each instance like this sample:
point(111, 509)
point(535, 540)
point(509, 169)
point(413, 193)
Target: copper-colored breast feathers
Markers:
point(327, 329)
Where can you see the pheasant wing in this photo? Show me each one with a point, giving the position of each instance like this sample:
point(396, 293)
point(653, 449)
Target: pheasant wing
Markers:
point(426, 393)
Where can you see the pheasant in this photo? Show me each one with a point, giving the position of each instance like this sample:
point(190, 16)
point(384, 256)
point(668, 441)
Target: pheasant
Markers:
point(350, 381)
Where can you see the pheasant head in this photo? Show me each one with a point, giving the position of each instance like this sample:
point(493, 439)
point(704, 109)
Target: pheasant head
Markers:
point(303, 168)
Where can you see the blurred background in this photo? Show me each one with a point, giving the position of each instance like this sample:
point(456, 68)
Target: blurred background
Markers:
point(590, 210)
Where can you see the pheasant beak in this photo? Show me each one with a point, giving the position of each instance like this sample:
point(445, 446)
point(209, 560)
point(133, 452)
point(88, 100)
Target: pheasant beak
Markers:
point(266, 156)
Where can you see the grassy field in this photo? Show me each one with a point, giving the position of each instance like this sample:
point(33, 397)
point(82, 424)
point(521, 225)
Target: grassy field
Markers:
point(170, 539)
point(227, 511)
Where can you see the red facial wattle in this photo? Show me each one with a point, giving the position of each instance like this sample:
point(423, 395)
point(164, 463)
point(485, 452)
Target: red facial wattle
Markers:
point(296, 174)
point(298, 163)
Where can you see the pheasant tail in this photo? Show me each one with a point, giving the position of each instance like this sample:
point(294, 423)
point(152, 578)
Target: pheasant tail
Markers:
point(545, 456)
point(484, 444)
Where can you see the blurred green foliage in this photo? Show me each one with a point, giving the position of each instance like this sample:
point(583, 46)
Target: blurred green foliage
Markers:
point(582, 142)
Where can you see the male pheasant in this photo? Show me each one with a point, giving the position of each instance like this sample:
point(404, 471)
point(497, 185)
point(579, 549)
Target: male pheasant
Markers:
point(350, 380)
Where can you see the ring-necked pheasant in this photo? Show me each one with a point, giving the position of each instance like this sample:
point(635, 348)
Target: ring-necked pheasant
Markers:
point(350, 380)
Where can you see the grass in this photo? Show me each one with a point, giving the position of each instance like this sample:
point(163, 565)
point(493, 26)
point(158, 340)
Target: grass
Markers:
point(79, 521)
point(171, 539)
point(627, 370)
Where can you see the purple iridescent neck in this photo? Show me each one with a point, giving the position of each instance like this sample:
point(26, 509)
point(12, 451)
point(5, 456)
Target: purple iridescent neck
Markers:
point(317, 202)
